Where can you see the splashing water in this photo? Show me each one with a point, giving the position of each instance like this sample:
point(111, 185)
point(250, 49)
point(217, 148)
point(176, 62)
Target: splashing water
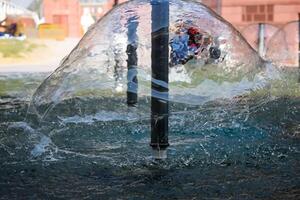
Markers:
point(97, 66)
point(234, 120)
point(89, 88)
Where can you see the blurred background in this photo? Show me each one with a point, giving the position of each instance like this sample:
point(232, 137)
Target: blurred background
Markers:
point(35, 35)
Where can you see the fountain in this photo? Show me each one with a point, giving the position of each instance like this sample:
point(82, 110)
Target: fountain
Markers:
point(231, 119)
point(207, 62)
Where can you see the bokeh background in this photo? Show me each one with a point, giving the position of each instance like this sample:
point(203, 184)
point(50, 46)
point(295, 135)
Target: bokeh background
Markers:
point(50, 29)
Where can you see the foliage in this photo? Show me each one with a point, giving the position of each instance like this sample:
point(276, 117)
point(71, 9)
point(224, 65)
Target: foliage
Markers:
point(15, 48)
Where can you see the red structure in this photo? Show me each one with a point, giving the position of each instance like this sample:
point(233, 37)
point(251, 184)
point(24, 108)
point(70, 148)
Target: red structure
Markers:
point(66, 13)
point(244, 13)
point(97, 8)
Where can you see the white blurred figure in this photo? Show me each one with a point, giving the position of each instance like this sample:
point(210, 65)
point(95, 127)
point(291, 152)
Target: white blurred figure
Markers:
point(86, 19)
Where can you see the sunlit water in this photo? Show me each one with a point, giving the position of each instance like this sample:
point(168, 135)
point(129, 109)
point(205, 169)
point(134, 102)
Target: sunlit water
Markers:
point(244, 148)
point(234, 122)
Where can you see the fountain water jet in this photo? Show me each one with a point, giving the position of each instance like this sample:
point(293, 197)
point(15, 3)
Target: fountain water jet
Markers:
point(96, 69)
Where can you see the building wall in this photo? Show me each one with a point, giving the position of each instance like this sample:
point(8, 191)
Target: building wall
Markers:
point(98, 10)
point(66, 13)
point(210, 3)
point(243, 13)
point(240, 13)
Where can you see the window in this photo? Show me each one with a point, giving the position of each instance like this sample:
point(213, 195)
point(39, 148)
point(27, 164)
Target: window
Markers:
point(258, 13)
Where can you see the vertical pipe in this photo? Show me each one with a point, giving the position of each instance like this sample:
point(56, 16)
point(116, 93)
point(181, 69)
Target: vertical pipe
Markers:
point(116, 2)
point(132, 81)
point(261, 39)
point(219, 7)
point(299, 46)
point(160, 79)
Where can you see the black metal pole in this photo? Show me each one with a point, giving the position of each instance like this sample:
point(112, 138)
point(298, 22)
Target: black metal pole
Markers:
point(132, 81)
point(160, 77)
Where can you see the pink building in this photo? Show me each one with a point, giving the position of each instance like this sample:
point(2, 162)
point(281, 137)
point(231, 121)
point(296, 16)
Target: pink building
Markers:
point(97, 8)
point(66, 13)
point(246, 15)
point(242, 13)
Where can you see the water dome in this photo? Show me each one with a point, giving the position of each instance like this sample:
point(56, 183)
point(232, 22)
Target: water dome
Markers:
point(208, 60)
point(97, 67)
point(233, 126)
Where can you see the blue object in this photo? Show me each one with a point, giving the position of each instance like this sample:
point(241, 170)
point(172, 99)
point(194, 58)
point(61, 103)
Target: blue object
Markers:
point(180, 49)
